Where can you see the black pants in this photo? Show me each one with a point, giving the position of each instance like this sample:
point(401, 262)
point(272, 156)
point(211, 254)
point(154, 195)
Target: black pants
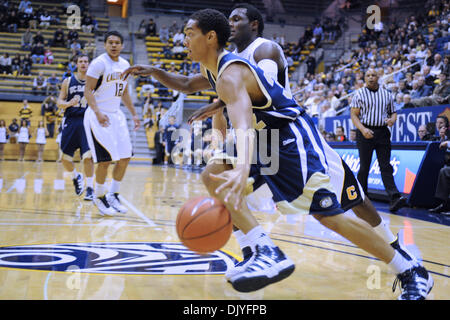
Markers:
point(381, 143)
point(443, 185)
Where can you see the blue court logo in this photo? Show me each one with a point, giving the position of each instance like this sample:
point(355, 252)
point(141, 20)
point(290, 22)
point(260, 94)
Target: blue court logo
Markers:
point(116, 258)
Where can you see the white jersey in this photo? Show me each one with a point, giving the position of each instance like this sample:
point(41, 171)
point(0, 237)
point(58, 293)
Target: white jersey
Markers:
point(249, 53)
point(110, 87)
point(40, 136)
point(2, 135)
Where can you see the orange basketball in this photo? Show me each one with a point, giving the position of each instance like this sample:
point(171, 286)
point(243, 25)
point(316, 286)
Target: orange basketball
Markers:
point(204, 224)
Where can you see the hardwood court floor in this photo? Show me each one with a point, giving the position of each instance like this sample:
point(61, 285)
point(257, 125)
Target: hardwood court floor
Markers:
point(54, 245)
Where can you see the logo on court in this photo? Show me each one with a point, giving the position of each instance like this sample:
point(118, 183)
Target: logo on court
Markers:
point(115, 258)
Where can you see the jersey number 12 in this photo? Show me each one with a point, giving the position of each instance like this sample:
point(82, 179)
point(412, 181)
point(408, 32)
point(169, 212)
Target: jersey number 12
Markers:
point(119, 89)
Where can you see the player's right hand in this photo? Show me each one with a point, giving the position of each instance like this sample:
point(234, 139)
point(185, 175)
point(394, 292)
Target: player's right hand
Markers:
point(102, 119)
point(367, 133)
point(137, 70)
point(74, 101)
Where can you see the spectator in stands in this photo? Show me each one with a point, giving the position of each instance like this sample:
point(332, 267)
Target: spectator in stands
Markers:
point(58, 38)
point(148, 119)
point(446, 65)
point(5, 64)
point(167, 52)
point(441, 121)
point(13, 22)
point(39, 84)
point(436, 68)
point(23, 19)
point(45, 19)
point(72, 66)
point(444, 134)
point(71, 36)
point(3, 23)
point(15, 64)
point(25, 112)
point(423, 90)
point(66, 74)
point(151, 28)
point(32, 17)
point(27, 40)
point(398, 102)
point(185, 67)
point(352, 136)
point(89, 49)
point(178, 51)
point(159, 146)
point(330, 137)
point(407, 102)
point(443, 189)
point(76, 46)
point(178, 36)
point(53, 85)
point(87, 23)
point(38, 52)
point(23, 138)
point(24, 4)
point(174, 28)
point(13, 131)
point(340, 134)
point(49, 111)
point(38, 38)
point(164, 34)
point(311, 65)
point(25, 66)
point(142, 29)
point(422, 133)
point(440, 95)
point(48, 56)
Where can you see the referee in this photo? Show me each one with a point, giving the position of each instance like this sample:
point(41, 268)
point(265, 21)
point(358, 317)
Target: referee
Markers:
point(372, 111)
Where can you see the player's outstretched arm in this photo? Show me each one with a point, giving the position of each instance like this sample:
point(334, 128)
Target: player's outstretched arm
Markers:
point(206, 111)
point(182, 83)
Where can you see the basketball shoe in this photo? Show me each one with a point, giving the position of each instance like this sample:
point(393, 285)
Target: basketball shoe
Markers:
point(404, 252)
point(268, 266)
point(416, 283)
point(242, 265)
point(89, 196)
point(113, 200)
point(103, 206)
point(78, 183)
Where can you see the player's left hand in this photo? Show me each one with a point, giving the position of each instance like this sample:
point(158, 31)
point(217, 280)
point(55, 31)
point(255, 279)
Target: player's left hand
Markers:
point(137, 123)
point(236, 181)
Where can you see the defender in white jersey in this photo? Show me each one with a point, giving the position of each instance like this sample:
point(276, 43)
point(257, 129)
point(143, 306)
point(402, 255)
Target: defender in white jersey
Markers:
point(105, 124)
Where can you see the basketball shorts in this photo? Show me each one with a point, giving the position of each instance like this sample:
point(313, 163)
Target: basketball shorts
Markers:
point(110, 143)
point(304, 174)
point(73, 137)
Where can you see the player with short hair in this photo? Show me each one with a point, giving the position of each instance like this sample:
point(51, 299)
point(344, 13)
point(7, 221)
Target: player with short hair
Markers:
point(303, 182)
point(73, 137)
point(106, 125)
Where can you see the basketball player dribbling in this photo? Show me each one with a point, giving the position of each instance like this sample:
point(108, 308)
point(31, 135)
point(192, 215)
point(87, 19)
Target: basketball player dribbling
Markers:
point(106, 125)
point(71, 100)
point(247, 26)
point(301, 185)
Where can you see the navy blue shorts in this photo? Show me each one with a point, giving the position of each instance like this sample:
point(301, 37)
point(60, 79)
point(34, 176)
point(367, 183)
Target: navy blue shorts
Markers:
point(73, 137)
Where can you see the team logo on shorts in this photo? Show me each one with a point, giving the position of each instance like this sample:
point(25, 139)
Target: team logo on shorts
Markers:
point(326, 202)
point(115, 258)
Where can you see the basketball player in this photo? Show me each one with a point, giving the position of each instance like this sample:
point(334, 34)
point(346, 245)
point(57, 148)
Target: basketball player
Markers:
point(73, 137)
point(247, 26)
point(106, 125)
point(301, 185)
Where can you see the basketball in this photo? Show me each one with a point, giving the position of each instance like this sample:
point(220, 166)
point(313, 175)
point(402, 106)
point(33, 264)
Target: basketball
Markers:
point(204, 224)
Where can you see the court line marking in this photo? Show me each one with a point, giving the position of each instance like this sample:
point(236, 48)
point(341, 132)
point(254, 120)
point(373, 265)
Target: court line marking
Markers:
point(139, 213)
point(46, 286)
point(15, 180)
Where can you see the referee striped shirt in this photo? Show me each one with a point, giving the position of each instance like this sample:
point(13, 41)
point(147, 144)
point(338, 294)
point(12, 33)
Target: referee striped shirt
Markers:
point(375, 106)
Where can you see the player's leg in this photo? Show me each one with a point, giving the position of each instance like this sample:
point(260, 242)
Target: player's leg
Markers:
point(268, 264)
point(114, 189)
point(88, 166)
point(415, 280)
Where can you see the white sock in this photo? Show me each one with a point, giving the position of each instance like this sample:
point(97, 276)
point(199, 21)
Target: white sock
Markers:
point(114, 187)
point(74, 174)
point(259, 236)
point(241, 239)
point(384, 231)
point(399, 264)
point(90, 182)
point(99, 190)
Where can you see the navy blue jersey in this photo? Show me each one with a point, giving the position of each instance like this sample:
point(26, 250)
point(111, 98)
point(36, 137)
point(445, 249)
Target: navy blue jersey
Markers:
point(76, 88)
point(168, 132)
point(280, 106)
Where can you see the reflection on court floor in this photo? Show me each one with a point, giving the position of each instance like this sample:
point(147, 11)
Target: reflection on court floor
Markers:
point(54, 245)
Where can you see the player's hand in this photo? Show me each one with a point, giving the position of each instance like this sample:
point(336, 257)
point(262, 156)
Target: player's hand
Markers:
point(102, 119)
point(367, 133)
point(137, 122)
point(444, 145)
point(74, 101)
point(137, 70)
point(236, 181)
point(206, 111)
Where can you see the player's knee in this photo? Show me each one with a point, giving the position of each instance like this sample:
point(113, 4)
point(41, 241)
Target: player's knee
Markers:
point(329, 222)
